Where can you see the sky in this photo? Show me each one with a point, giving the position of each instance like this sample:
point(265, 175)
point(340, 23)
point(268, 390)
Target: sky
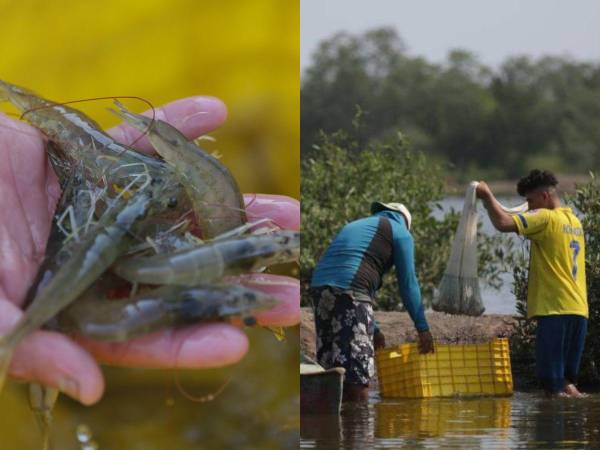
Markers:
point(492, 29)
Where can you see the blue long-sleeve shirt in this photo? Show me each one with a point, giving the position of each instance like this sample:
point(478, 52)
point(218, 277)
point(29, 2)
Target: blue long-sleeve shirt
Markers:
point(366, 249)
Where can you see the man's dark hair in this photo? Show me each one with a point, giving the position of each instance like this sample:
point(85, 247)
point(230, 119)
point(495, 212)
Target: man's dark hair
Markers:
point(535, 180)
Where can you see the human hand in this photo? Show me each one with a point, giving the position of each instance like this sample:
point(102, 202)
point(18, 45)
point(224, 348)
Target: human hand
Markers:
point(483, 190)
point(378, 340)
point(425, 342)
point(29, 191)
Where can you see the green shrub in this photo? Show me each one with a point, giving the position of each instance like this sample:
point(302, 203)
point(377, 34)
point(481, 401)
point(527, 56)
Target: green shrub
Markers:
point(340, 181)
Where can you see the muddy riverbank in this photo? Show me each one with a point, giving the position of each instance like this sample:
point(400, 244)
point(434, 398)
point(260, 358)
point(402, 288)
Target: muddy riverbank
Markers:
point(397, 327)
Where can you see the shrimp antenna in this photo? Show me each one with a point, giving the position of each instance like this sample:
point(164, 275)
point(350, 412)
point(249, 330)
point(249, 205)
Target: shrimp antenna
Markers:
point(91, 99)
point(203, 398)
point(194, 398)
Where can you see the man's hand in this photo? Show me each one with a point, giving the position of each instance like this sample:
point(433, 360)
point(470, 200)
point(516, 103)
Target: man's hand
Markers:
point(378, 340)
point(501, 220)
point(425, 342)
point(483, 191)
point(29, 191)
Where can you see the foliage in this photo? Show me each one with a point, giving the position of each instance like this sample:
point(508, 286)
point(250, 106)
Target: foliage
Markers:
point(498, 122)
point(340, 181)
point(587, 202)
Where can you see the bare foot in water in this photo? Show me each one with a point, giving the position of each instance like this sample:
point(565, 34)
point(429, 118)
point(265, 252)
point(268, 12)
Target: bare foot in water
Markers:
point(573, 392)
point(560, 394)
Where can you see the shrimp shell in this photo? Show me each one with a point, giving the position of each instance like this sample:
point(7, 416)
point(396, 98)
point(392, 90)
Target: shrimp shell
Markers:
point(124, 319)
point(213, 260)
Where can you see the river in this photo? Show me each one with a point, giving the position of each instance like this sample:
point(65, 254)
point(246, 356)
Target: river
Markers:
point(523, 421)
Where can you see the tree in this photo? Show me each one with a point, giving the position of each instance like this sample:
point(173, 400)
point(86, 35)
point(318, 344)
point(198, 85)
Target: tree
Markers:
point(482, 121)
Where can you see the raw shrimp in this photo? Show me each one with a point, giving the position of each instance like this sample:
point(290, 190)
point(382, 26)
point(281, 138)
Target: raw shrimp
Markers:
point(135, 196)
point(78, 139)
point(212, 260)
point(87, 262)
point(124, 319)
point(218, 202)
point(75, 135)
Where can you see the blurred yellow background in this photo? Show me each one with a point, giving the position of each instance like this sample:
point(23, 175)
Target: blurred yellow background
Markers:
point(244, 52)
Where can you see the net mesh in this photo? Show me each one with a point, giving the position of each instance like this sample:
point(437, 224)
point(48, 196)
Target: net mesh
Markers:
point(459, 292)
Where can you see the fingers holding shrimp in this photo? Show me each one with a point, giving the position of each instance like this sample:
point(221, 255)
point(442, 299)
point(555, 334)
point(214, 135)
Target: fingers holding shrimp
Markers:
point(202, 346)
point(193, 116)
point(281, 210)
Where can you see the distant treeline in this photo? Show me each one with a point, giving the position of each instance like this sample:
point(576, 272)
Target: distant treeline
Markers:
point(525, 114)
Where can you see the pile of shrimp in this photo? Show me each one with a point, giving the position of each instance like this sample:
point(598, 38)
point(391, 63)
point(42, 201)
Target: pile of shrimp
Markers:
point(123, 221)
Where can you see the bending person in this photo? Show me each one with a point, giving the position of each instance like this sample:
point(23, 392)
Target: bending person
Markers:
point(343, 290)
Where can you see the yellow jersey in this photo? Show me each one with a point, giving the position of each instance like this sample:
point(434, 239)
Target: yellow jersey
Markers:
point(557, 262)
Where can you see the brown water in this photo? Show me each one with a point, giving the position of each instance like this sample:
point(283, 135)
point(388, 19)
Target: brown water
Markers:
point(525, 420)
point(143, 410)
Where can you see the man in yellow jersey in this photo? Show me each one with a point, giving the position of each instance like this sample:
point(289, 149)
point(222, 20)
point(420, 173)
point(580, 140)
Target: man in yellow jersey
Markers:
point(557, 295)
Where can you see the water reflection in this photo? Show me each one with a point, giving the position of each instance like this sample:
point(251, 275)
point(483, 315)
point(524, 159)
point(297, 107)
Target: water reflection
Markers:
point(523, 421)
point(561, 423)
point(431, 418)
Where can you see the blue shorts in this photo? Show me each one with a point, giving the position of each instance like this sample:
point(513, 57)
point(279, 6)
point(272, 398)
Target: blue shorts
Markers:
point(559, 345)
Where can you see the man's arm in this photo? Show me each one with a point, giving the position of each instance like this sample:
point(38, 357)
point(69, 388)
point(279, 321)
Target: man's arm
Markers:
point(501, 220)
point(408, 285)
point(410, 291)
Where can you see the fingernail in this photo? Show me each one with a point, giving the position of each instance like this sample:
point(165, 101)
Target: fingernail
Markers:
point(208, 102)
point(69, 387)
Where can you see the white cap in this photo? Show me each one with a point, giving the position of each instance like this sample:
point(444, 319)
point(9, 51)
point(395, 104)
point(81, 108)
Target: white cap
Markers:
point(398, 207)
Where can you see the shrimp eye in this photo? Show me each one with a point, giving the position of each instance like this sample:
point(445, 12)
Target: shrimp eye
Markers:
point(249, 321)
point(172, 202)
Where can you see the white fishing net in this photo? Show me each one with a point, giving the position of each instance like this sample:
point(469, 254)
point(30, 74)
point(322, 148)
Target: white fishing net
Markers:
point(459, 291)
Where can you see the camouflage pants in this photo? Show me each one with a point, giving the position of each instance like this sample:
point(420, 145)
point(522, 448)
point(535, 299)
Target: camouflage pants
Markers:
point(345, 330)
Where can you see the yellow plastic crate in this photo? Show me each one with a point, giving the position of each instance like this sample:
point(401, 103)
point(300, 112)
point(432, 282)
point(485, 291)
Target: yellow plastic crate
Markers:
point(454, 369)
